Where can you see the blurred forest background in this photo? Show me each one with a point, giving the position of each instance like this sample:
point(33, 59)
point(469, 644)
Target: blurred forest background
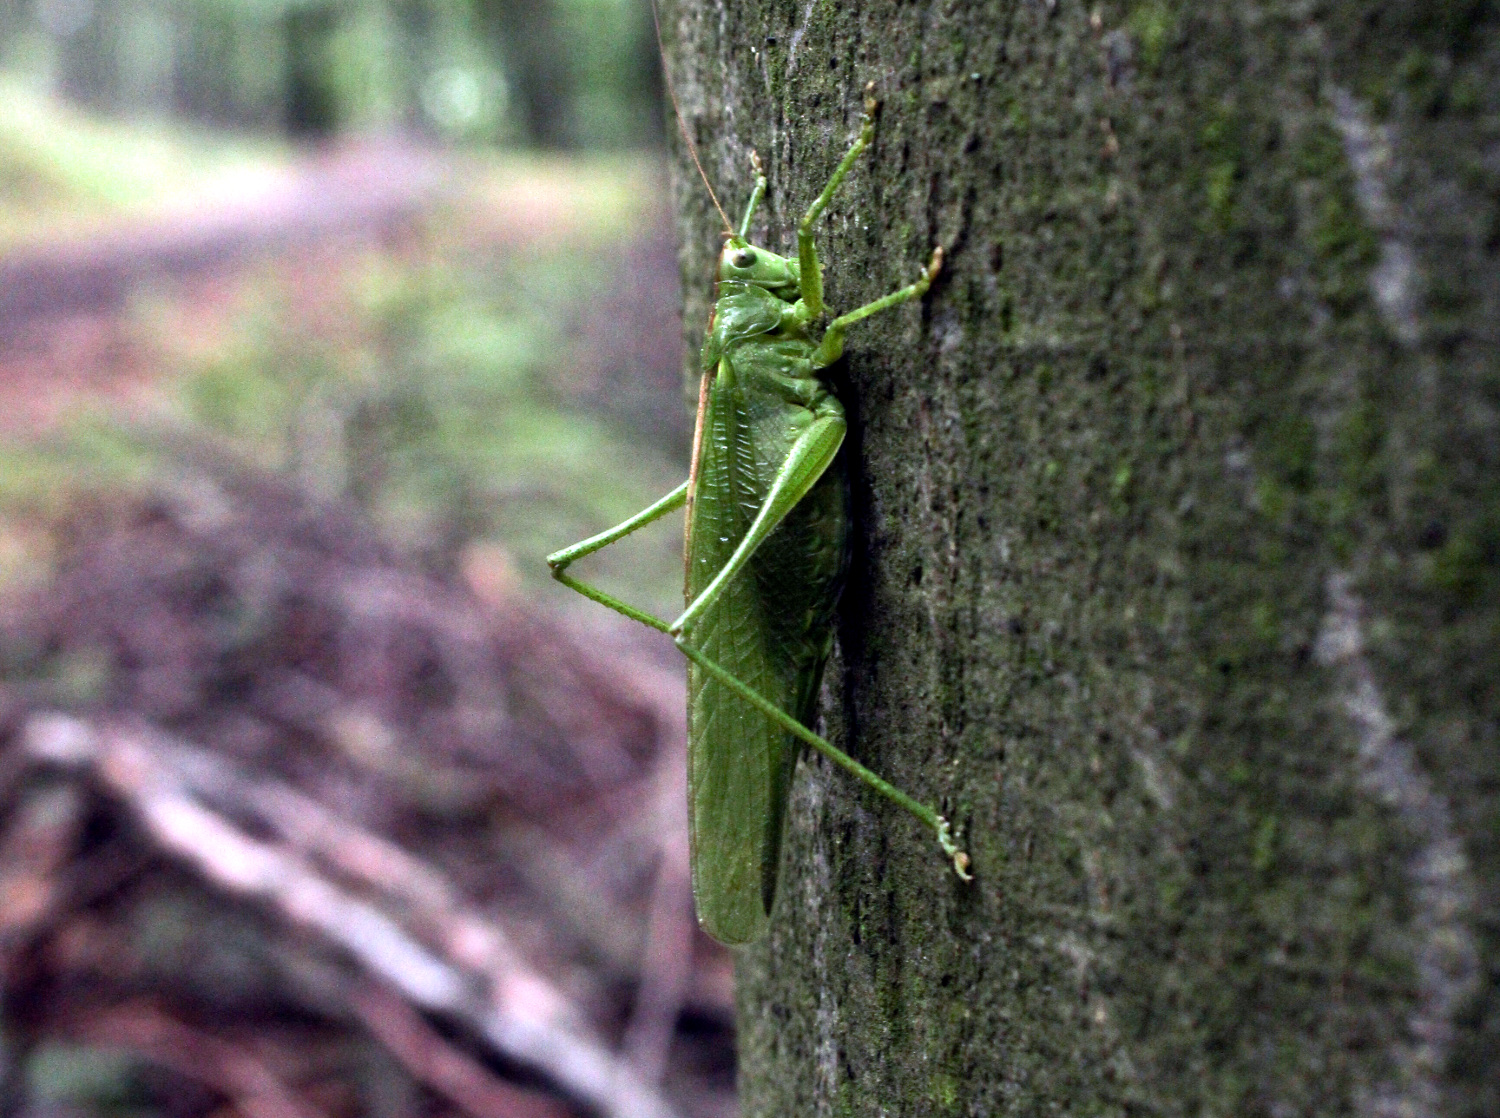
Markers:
point(321, 323)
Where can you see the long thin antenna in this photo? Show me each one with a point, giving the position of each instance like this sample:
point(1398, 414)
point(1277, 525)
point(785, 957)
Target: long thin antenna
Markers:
point(666, 78)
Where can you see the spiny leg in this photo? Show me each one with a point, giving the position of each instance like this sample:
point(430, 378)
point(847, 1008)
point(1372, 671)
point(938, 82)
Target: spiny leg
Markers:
point(832, 346)
point(811, 284)
point(939, 826)
point(559, 561)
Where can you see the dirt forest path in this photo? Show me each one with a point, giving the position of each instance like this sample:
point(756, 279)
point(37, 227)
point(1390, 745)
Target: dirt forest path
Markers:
point(64, 302)
point(362, 190)
point(68, 322)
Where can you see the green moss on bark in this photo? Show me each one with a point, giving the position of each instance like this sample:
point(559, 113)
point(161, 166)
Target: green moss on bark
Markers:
point(1210, 384)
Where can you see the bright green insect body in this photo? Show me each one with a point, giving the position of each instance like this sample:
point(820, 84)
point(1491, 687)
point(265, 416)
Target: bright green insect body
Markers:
point(767, 545)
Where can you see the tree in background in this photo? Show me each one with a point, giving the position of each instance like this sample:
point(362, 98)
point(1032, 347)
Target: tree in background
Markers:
point(551, 74)
point(1177, 573)
point(527, 31)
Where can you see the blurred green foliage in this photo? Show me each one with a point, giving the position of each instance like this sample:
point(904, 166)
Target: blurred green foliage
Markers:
point(440, 404)
point(546, 73)
point(59, 1074)
point(431, 387)
point(449, 377)
point(62, 168)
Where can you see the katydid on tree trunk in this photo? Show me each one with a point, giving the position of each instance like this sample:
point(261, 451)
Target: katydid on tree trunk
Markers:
point(767, 547)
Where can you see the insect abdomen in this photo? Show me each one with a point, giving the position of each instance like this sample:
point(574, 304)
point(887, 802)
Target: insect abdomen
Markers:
point(770, 627)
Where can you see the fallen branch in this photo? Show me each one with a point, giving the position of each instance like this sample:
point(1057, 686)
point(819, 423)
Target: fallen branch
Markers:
point(518, 1012)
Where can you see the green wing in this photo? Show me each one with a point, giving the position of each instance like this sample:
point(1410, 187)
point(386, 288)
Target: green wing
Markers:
point(771, 628)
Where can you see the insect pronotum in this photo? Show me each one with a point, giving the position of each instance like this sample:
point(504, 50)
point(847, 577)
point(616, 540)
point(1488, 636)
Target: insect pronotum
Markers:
point(767, 547)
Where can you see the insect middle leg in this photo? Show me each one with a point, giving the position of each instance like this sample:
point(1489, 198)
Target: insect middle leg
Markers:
point(559, 561)
point(832, 346)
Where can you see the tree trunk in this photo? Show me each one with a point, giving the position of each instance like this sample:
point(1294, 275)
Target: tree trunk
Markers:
point(1177, 566)
point(537, 65)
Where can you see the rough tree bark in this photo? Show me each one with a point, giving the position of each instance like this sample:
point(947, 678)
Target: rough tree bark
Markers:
point(1178, 532)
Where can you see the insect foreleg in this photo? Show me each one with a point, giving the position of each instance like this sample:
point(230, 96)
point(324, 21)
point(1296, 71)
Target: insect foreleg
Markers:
point(940, 826)
point(755, 197)
point(832, 345)
point(560, 561)
point(811, 285)
point(809, 457)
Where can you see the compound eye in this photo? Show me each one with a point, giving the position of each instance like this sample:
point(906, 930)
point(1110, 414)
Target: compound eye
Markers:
point(743, 259)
